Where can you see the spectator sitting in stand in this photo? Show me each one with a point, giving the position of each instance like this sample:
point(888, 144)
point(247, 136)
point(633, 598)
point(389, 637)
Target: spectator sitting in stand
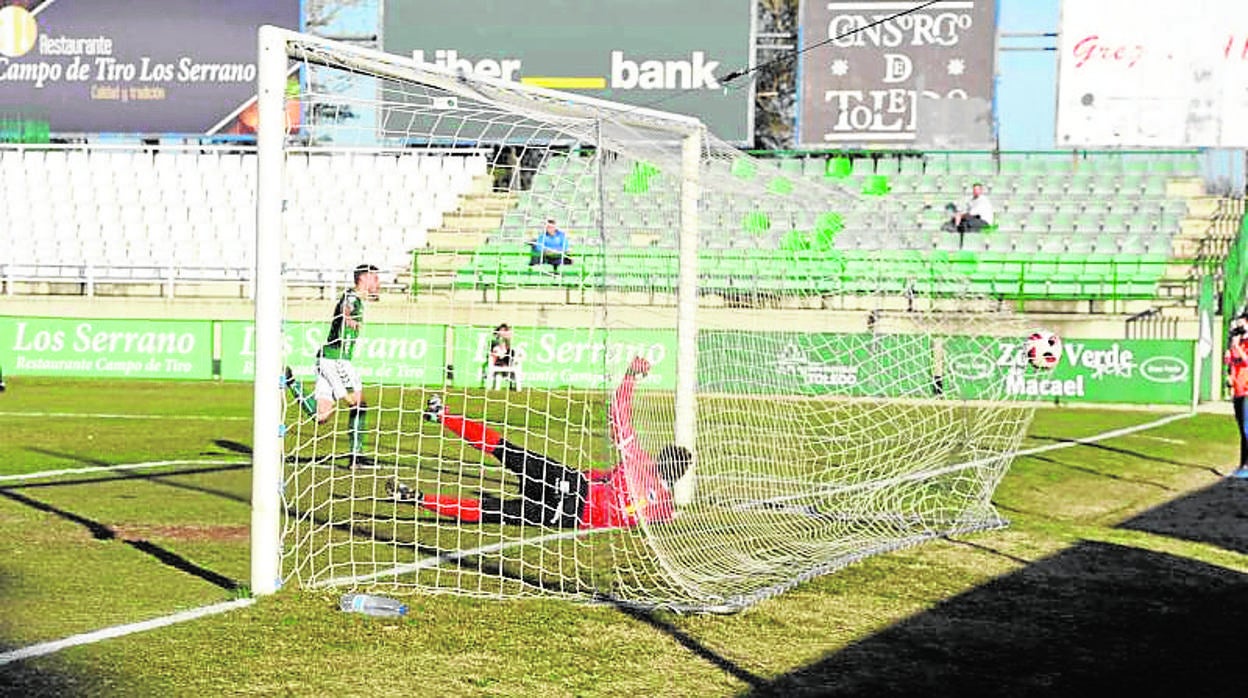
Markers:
point(551, 247)
point(975, 216)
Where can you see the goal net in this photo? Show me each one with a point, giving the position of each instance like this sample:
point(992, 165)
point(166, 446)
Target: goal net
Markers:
point(738, 374)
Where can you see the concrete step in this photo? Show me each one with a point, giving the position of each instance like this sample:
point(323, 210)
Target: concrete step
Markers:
point(481, 184)
point(1177, 270)
point(1202, 206)
point(1186, 187)
point(446, 238)
point(1186, 248)
point(485, 207)
point(439, 261)
point(498, 196)
point(471, 222)
point(1192, 227)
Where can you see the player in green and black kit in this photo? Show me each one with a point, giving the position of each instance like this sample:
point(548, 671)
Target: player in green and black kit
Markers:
point(336, 377)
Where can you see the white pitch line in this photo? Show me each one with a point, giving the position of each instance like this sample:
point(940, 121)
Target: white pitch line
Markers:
point(120, 630)
point(435, 560)
point(1162, 439)
point(115, 468)
point(956, 467)
point(1112, 434)
point(106, 415)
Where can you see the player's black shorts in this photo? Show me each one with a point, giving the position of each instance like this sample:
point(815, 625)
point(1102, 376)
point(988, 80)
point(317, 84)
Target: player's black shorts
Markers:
point(552, 494)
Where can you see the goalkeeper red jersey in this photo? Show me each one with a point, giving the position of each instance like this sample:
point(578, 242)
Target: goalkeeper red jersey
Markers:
point(632, 491)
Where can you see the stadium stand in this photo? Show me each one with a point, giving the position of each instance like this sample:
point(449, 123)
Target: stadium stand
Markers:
point(82, 217)
point(1070, 227)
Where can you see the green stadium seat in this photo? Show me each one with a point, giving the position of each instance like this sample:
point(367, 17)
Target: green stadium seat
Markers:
point(1053, 244)
point(1080, 245)
point(1131, 184)
point(792, 166)
point(744, 168)
point(1140, 222)
point(1034, 165)
point(838, 168)
point(1102, 163)
point(1154, 186)
point(1011, 165)
point(888, 166)
point(814, 167)
point(910, 166)
point(1187, 166)
point(875, 185)
point(1061, 162)
point(1063, 222)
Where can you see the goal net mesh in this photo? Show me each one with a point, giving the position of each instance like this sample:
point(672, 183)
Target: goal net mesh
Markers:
point(826, 426)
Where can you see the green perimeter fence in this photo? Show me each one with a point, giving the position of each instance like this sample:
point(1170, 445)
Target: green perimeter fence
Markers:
point(1141, 371)
point(1235, 273)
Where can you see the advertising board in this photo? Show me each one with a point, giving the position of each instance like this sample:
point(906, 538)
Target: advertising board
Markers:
point(666, 54)
point(884, 74)
point(134, 66)
point(1153, 74)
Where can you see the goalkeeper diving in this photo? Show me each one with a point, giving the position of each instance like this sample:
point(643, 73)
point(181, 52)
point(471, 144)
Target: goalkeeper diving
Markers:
point(638, 488)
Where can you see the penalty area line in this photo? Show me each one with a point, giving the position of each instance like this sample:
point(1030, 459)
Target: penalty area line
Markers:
point(1112, 434)
point(120, 630)
point(108, 415)
point(116, 468)
point(956, 467)
point(436, 560)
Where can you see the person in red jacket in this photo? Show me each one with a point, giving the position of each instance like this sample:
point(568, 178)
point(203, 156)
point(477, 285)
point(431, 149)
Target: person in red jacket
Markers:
point(638, 488)
point(1236, 360)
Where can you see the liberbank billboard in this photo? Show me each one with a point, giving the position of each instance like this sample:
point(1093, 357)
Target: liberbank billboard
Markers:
point(666, 54)
point(133, 66)
point(885, 74)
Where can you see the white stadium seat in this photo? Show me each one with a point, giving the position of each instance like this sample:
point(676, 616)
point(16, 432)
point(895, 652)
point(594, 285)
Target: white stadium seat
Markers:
point(127, 212)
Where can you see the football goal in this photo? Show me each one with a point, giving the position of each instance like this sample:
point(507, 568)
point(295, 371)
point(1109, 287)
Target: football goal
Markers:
point(605, 355)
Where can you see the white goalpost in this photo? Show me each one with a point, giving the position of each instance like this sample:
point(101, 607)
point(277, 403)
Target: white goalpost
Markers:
point(737, 377)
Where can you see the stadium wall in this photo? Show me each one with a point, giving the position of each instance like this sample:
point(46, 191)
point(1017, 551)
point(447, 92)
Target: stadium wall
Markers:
point(1100, 370)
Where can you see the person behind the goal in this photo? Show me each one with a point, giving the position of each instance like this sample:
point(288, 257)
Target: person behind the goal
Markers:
point(638, 488)
point(336, 377)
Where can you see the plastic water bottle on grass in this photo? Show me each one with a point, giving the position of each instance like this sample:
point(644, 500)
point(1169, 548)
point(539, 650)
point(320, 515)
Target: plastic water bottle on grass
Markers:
point(371, 605)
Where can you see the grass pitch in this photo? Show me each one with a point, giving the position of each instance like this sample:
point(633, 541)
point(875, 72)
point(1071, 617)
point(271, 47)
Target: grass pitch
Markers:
point(1125, 569)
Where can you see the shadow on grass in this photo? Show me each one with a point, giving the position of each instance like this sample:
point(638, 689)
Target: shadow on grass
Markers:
point(1100, 473)
point(1216, 515)
point(693, 645)
point(28, 679)
point(1096, 619)
point(100, 531)
point(233, 446)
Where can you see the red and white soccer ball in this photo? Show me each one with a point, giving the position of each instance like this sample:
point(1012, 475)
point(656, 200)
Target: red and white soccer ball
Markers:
point(1043, 349)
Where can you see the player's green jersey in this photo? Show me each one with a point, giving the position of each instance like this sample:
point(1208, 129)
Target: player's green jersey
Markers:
point(340, 344)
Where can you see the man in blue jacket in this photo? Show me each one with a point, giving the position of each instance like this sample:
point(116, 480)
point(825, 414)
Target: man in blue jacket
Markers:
point(551, 247)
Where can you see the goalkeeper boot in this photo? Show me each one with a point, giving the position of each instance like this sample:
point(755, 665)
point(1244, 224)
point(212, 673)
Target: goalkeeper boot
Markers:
point(399, 492)
point(434, 410)
point(360, 461)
